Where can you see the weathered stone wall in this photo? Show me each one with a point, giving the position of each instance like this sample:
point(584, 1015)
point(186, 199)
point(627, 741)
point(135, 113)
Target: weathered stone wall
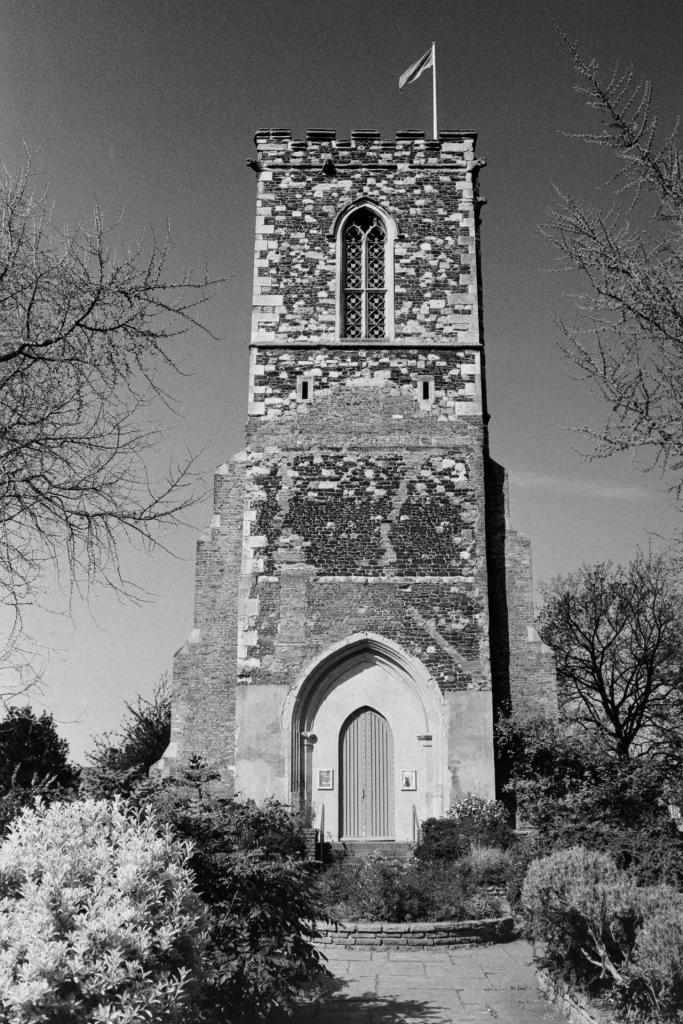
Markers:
point(427, 187)
point(375, 496)
point(205, 668)
point(381, 505)
point(523, 667)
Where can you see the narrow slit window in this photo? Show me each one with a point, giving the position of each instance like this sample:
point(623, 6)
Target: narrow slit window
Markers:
point(364, 290)
point(304, 389)
point(425, 390)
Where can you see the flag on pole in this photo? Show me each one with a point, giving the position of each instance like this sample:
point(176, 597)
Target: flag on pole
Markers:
point(416, 69)
point(427, 60)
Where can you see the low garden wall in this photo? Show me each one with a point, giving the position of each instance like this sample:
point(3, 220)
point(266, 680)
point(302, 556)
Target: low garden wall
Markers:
point(420, 934)
point(574, 1005)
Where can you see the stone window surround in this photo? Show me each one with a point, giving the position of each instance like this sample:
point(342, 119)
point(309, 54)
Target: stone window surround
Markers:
point(391, 234)
point(304, 388)
point(428, 402)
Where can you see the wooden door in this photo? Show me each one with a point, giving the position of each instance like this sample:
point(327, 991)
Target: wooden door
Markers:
point(367, 776)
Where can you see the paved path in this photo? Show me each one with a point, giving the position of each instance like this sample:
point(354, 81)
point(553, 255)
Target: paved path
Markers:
point(432, 986)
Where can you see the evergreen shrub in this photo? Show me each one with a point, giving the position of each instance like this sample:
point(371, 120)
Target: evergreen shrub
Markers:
point(34, 764)
point(99, 919)
point(472, 820)
point(622, 941)
point(574, 792)
point(262, 897)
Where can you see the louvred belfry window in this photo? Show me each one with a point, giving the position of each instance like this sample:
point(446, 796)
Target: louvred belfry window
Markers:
point(364, 276)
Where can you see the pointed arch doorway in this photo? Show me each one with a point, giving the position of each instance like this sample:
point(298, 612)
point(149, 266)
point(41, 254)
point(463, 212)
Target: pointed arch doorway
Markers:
point(366, 763)
point(329, 694)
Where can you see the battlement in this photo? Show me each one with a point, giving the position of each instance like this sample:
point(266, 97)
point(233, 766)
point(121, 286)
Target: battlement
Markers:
point(366, 147)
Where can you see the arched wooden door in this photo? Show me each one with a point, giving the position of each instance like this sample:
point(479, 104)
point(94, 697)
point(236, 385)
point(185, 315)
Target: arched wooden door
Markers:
point(367, 776)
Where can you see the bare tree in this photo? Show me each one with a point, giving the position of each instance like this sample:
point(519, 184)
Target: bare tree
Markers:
point(84, 334)
point(617, 635)
point(628, 339)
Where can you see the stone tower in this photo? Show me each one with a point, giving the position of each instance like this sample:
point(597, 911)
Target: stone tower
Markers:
point(362, 604)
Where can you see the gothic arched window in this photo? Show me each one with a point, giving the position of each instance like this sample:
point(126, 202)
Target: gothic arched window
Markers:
point(364, 286)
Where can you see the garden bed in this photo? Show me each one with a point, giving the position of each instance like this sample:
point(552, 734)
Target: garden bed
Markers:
point(379, 889)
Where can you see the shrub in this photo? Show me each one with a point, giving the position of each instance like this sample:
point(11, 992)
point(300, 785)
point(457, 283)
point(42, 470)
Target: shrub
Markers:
point(585, 909)
point(521, 855)
point(600, 928)
point(656, 970)
point(120, 760)
point(99, 920)
point(487, 865)
point(33, 764)
point(260, 951)
point(44, 790)
point(31, 750)
point(472, 820)
point(381, 889)
point(575, 793)
point(238, 825)
point(262, 902)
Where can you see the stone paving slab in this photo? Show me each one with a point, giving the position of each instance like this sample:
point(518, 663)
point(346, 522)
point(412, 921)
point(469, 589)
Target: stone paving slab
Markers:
point(445, 986)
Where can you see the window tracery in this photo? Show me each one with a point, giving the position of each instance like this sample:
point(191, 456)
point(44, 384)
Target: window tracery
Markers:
point(364, 289)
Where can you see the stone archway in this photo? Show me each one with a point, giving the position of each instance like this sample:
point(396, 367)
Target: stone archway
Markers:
point(367, 671)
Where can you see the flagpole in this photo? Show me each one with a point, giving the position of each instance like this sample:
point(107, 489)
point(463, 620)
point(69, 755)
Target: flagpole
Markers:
point(434, 86)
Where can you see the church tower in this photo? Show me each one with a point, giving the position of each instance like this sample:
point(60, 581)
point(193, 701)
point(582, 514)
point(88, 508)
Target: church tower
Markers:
point(363, 607)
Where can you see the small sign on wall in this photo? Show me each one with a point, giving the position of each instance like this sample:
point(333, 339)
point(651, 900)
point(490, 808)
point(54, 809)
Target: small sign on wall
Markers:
point(326, 778)
point(409, 779)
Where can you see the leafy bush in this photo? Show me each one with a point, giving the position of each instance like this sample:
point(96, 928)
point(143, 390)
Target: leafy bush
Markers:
point(472, 820)
point(31, 750)
point(487, 865)
point(45, 790)
point(521, 854)
point(600, 928)
point(656, 971)
point(580, 904)
point(575, 793)
point(260, 951)
point(121, 760)
point(239, 825)
point(263, 902)
point(382, 889)
point(99, 920)
point(33, 763)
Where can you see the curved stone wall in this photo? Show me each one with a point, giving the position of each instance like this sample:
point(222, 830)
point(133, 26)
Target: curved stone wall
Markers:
point(420, 934)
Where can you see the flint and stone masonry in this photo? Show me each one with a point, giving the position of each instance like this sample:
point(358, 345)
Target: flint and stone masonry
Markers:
point(363, 606)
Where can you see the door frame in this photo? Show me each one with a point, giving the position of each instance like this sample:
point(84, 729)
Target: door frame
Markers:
point(318, 678)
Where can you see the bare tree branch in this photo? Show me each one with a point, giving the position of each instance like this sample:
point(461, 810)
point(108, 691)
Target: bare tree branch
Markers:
point(628, 339)
point(84, 333)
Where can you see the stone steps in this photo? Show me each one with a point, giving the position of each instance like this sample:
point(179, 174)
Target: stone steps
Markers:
point(352, 851)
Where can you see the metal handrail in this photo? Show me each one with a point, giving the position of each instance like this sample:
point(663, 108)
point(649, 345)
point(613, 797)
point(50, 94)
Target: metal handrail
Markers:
point(322, 832)
point(416, 826)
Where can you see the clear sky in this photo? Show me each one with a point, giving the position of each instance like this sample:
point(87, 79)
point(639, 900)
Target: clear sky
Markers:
point(150, 107)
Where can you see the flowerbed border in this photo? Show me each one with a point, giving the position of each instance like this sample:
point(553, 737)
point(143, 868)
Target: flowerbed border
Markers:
point(416, 933)
point(572, 1003)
